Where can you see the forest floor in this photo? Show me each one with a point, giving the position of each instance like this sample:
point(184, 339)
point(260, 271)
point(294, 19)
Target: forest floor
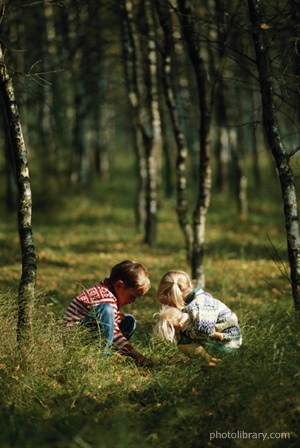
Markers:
point(59, 392)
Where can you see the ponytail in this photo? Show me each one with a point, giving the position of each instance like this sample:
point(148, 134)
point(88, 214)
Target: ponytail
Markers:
point(173, 288)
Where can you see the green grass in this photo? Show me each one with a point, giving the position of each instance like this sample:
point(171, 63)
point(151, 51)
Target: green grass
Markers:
point(61, 393)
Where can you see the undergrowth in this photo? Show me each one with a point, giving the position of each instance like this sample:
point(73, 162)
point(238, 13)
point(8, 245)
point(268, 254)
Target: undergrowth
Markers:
point(60, 392)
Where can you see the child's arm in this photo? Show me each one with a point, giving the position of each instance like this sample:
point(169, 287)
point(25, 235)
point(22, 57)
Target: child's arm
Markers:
point(141, 359)
point(218, 335)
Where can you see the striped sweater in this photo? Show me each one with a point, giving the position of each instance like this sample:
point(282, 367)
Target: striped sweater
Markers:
point(82, 304)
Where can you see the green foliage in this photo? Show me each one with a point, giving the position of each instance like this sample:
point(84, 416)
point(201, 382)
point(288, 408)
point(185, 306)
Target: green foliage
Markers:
point(59, 392)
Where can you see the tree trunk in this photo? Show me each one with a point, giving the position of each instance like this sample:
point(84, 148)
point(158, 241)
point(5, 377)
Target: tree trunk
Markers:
point(204, 169)
point(11, 187)
point(221, 143)
point(28, 279)
point(182, 150)
point(142, 86)
point(99, 109)
point(80, 161)
point(153, 143)
point(134, 76)
point(261, 40)
point(239, 177)
point(50, 52)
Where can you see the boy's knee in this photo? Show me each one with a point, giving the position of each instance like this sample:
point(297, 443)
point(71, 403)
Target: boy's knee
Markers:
point(128, 325)
point(105, 312)
point(129, 322)
point(130, 319)
point(107, 308)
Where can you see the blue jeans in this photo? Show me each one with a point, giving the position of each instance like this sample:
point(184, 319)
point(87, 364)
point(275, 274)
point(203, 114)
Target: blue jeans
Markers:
point(102, 318)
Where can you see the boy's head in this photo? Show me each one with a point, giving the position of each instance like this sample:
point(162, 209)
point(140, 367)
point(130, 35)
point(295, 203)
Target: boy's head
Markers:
point(130, 280)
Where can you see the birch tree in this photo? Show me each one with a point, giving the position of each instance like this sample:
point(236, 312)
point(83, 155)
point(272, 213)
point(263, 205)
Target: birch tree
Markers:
point(28, 278)
point(153, 143)
point(142, 82)
point(168, 80)
point(204, 168)
point(261, 40)
point(134, 70)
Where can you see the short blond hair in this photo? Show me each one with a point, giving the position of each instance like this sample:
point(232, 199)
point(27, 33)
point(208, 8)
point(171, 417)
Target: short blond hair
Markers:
point(169, 316)
point(173, 289)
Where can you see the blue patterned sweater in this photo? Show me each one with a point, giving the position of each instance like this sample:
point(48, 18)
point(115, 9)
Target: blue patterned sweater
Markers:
point(210, 315)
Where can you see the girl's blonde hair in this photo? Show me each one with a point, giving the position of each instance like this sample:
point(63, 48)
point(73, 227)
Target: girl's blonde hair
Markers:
point(174, 288)
point(169, 316)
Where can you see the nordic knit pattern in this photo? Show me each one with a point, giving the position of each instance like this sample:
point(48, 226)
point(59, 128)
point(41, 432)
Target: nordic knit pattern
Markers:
point(210, 315)
point(89, 298)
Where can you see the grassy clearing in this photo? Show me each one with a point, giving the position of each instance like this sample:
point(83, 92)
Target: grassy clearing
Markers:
point(60, 393)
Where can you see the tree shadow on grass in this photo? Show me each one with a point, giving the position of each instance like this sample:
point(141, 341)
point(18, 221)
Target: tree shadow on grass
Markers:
point(233, 248)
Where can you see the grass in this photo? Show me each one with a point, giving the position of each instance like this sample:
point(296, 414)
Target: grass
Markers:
point(61, 393)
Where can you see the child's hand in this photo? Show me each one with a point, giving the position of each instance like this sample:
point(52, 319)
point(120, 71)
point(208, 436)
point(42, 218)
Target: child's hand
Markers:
point(218, 335)
point(141, 359)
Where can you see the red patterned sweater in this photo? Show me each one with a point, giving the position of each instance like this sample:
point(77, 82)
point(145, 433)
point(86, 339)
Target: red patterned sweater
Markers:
point(82, 304)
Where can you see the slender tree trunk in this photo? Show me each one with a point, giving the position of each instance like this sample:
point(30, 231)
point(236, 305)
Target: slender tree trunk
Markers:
point(261, 40)
point(204, 170)
point(99, 109)
point(28, 279)
point(222, 138)
point(80, 134)
point(143, 94)
point(240, 180)
point(50, 52)
point(253, 143)
point(134, 76)
point(10, 192)
point(80, 161)
point(182, 150)
point(153, 143)
point(167, 152)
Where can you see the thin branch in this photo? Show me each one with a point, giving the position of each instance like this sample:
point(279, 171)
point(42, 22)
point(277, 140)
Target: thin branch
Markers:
point(38, 76)
point(293, 152)
point(39, 2)
point(272, 286)
point(279, 264)
point(2, 10)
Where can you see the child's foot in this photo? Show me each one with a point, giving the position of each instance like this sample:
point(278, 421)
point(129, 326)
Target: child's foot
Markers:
point(213, 362)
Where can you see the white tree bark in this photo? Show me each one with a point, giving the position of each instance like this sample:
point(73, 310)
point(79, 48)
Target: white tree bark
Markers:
point(28, 279)
point(281, 157)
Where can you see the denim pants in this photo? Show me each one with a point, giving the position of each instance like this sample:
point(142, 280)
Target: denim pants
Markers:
point(102, 319)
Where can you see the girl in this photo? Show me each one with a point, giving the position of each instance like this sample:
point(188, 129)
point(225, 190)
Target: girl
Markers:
point(199, 317)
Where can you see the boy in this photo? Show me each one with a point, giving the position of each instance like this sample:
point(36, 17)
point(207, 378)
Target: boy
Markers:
point(99, 306)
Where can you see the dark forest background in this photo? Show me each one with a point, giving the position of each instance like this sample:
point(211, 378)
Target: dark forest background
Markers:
point(69, 66)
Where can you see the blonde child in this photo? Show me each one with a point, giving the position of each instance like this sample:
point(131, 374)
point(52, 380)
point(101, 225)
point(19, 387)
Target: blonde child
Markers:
point(194, 317)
